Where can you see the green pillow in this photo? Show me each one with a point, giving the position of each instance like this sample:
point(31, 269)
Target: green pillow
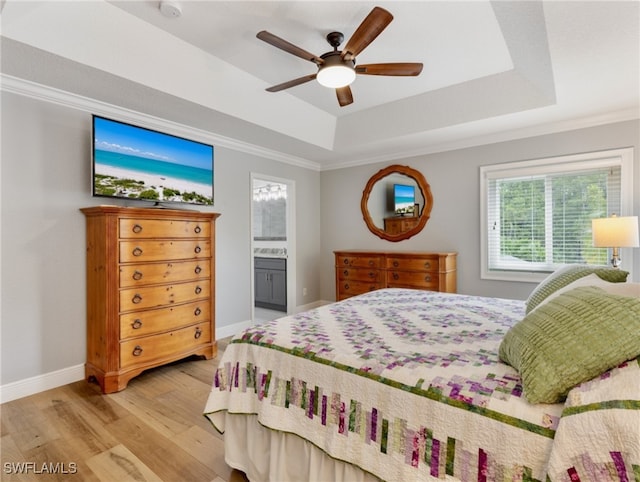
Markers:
point(572, 338)
point(568, 274)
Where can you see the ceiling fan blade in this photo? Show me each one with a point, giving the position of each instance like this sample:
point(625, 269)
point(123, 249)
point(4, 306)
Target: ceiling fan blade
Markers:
point(291, 83)
point(369, 29)
point(345, 97)
point(399, 69)
point(288, 47)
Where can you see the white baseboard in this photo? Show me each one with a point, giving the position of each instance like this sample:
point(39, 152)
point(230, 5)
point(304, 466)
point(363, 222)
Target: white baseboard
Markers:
point(47, 381)
point(40, 383)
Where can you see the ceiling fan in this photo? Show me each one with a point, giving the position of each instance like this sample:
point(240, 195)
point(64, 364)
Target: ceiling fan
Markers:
point(337, 69)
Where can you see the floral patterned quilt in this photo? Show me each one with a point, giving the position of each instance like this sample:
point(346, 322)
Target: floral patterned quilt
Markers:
point(407, 385)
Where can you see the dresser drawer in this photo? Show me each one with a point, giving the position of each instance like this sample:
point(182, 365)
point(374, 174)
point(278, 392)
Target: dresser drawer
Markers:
point(142, 350)
point(163, 228)
point(412, 279)
point(142, 323)
point(162, 295)
point(359, 261)
point(154, 273)
point(139, 251)
point(417, 264)
point(359, 274)
point(347, 288)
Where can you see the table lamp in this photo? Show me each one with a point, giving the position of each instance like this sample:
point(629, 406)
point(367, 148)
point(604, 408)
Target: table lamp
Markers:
point(615, 232)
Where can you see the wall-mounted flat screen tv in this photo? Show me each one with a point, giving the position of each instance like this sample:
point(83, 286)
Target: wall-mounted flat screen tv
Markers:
point(404, 198)
point(131, 162)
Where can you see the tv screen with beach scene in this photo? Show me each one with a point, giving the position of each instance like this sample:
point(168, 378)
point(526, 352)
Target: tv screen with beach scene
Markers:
point(132, 162)
point(404, 197)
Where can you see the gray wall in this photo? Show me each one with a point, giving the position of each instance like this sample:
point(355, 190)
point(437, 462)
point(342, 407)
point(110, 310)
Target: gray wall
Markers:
point(46, 167)
point(454, 225)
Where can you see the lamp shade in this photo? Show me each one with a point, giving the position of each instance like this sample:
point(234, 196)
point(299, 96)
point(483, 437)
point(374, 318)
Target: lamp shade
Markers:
point(615, 232)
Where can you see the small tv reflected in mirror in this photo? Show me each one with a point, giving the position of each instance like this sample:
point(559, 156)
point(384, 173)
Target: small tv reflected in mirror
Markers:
point(131, 162)
point(404, 198)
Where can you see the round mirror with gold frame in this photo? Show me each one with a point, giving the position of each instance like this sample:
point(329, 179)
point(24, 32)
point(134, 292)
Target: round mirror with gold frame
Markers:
point(396, 203)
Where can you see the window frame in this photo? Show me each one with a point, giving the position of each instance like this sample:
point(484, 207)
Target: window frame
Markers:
point(622, 157)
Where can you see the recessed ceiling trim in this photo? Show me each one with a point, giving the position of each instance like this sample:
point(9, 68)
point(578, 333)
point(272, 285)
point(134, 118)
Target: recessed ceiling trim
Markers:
point(55, 96)
point(450, 142)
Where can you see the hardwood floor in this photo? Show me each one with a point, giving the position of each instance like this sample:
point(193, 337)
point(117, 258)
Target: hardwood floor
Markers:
point(153, 430)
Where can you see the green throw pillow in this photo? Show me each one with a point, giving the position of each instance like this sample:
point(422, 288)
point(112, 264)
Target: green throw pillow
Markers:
point(570, 339)
point(568, 274)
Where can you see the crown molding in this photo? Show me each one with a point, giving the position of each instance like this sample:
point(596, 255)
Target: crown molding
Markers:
point(16, 85)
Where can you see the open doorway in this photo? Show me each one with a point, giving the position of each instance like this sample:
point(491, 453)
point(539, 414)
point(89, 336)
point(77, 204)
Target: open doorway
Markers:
point(272, 247)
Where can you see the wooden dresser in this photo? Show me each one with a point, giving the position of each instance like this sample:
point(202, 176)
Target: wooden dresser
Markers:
point(359, 271)
point(150, 290)
point(400, 224)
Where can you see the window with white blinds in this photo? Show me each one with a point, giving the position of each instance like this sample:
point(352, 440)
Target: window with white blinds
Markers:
point(536, 215)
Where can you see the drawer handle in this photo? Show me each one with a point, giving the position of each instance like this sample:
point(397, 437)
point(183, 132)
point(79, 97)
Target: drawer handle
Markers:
point(137, 351)
point(395, 264)
point(198, 333)
point(346, 261)
point(136, 228)
point(137, 324)
point(137, 251)
point(198, 249)
point(372, 274)
point(198, 290)
point(137, 275)
point(198, 270)
point(346, 272)
point(371, 263)
point(427, 278)
point(427, 264)
point(136, 299)
point(346, 286)
point(396, 276)
point(198, 229)
point(197, 311)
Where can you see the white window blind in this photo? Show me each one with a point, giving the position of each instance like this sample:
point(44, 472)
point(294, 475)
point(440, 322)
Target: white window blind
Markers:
point(537, 214)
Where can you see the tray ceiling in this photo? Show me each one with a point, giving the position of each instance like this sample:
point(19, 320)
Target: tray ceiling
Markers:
point(492, 70)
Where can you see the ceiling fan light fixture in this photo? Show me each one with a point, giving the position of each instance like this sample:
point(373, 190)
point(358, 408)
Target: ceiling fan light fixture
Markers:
point(337, 69)
point(336, 76)
point(335, 72)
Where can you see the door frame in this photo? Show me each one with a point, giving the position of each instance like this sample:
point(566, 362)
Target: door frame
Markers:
point(291, 239)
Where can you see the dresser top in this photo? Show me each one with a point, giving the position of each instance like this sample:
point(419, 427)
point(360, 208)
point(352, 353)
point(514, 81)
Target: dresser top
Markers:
point(147, 212)
point(395, 253)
